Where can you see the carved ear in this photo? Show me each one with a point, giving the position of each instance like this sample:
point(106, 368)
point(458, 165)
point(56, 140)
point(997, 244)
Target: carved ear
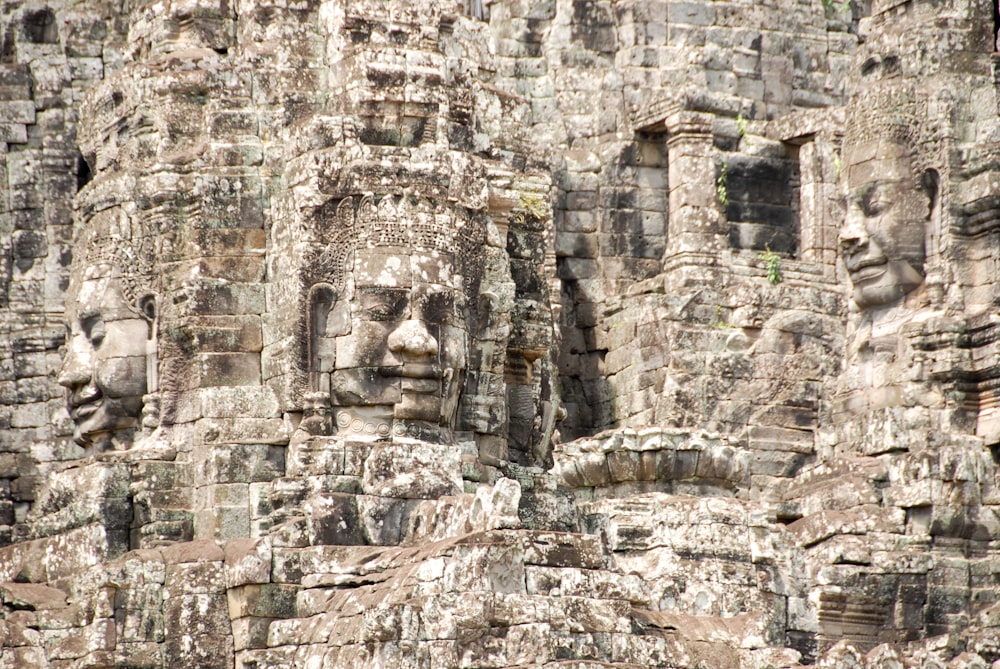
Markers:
point(147, 307)
point(488, 304)
point(930, 184)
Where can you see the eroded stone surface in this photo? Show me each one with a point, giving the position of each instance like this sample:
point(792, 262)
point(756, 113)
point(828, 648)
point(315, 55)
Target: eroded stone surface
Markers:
point(499, 334)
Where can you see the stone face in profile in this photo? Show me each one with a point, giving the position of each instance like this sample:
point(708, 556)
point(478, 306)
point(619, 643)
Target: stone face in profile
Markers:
point(889, 205)
point(104, 369)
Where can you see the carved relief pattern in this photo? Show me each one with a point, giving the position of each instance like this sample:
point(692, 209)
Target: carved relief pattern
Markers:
point(442, 334)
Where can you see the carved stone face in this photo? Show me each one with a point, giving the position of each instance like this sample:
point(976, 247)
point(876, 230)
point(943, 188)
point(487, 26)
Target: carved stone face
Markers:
point(104, 370)
point(882, 241)
point(401, 342)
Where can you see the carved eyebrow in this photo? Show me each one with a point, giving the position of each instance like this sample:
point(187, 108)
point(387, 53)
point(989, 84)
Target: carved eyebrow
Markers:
point(88, 318)
point(868, 190)
point(394, 297)
point(436, 306)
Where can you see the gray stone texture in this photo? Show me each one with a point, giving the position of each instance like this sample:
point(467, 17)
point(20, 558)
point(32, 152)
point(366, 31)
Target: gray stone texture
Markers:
point(499, 333)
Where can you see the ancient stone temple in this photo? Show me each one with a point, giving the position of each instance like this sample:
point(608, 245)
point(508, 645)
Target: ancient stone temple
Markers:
point(468, 334)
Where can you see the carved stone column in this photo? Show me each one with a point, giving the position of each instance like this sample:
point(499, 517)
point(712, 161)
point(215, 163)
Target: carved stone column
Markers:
point(694, 224)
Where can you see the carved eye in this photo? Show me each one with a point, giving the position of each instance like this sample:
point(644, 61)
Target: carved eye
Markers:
point(383, 304)
point(381, 312)
point(93, 329)
point(873, 201)
point(436, 307)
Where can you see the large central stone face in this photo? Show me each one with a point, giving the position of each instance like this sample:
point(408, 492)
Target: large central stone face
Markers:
point(889, 201)
point(390, 330)
point(454, 334)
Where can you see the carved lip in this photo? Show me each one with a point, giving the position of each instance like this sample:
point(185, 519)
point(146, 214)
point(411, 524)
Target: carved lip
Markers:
point(84, 401)
point(413, 371)
point(867, 268)
point(82, 411)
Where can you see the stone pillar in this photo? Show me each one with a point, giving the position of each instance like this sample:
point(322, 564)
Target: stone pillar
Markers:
point(818, 228)
point(695, 223)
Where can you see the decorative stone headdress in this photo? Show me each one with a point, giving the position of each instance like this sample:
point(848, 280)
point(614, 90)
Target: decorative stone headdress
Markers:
point(395, 221)
point(893, 110)
point(113, 238)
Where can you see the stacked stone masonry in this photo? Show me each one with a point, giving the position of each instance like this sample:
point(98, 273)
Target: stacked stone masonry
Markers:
point(455, 334)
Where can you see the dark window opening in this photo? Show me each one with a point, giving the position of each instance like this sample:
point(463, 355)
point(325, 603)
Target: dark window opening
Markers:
point(83, 173)
point(996, 24)
point(762, 202)
point(39, 27)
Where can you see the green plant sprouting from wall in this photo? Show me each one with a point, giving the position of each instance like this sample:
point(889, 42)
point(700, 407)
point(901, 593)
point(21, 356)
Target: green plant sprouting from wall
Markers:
point(772, 265)
point(836, 6)
point(721, 190)
point(742, 125)
point(533, 209)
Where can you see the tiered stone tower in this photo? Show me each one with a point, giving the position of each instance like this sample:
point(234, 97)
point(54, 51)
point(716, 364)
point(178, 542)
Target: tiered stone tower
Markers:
point(499, 333)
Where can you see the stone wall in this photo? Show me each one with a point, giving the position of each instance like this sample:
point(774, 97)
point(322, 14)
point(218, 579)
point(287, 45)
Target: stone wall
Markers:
point(686, 91)
point(499, 333)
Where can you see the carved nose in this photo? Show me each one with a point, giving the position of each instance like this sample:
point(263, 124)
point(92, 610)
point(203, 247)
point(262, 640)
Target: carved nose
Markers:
point(854, 235)
point(411, 338)
point(76, 367)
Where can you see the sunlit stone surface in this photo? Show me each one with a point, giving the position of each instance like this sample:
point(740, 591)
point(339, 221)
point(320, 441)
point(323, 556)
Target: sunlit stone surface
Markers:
point(499, 334)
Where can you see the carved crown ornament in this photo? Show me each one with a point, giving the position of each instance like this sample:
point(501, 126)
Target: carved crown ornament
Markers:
point(120, 243)
point(896, 112)
point(391, 221)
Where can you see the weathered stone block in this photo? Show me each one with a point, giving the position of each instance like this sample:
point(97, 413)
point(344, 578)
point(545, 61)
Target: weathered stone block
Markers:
point(594, 469)
point(577, 268)
point(263, 601)
point(228, 369)
point(623, 466)
point(246, 431)
point(776, 463)
point(247, 561)
point(243, 463)
point(239, 401)
point(576, 245)
point(190, 578)
point(200, 651)
point(223, 522)
point(769, 438)
point(17, 111)
point(384, 519)
point(413, 470)
point(250, 633)
point(224, 334)
point(333, 519)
